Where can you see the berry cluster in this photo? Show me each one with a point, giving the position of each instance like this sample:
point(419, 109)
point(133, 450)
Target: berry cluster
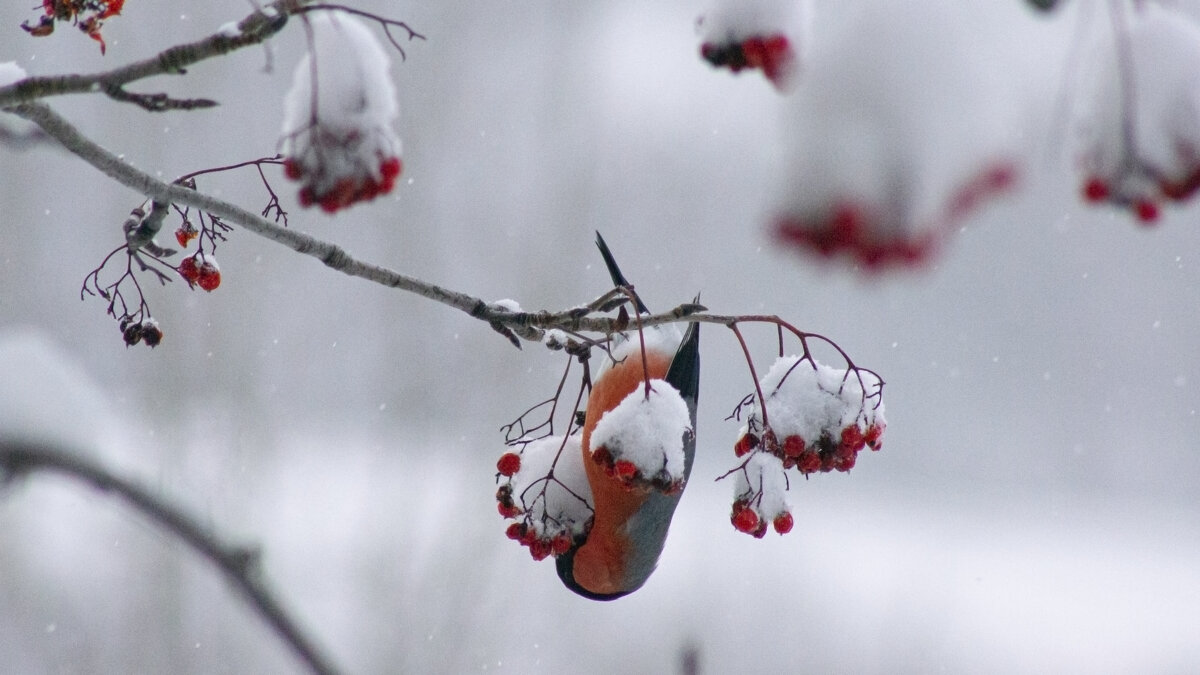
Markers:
point(817, 420)
point(848, 229)
point(89, 15)
point(201, 270)
point(544, 488)
point(877, 235)
point(1142, 191)
point(745, 519)
point(830, 452)
point(771, 54)
point(540, 545)
point(146, 331)
point(640, 443)
point(760, 497)
point(543, 538)
point(334, 191)
point(630, 477)
point(1140, 141)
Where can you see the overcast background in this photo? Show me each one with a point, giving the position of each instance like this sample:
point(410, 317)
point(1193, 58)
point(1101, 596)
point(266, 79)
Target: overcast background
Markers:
point(1034, 506)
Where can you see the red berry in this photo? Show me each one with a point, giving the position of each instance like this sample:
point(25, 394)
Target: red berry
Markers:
point(1182, 189)
point(760, 531)
point(844, 458)
point(793, 446)
point(209, 277)
point(292, 169)
point(307, 196)
point(509, 464)
point(845, 225)
point(777, 54)
point(1146, 210)
point(745, 444)
point(755, 52)
point(151, 334)
point(852, 438)
point(189, 269)
point(1095, 190)
point(185, 234)
point(515, 531)
point(873, 435)
point(809, 462)
point(783, 523)
point(745, 520)
point(604, 458)
point(539, 549)
point(561, 544)
point(508, 510)
point(625, 469)
point(391, 168)
point(132, 334)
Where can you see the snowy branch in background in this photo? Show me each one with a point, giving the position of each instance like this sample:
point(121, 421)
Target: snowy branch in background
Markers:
point(241, 565)
point(338, 116)
point(254, 29)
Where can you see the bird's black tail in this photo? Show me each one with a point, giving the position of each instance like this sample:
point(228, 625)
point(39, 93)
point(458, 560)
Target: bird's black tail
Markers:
point(614, 271)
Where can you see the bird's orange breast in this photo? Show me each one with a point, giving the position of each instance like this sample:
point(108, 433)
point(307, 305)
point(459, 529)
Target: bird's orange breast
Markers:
point(600, 561)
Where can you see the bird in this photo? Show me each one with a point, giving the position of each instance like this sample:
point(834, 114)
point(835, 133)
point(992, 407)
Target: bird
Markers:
point(629, 526)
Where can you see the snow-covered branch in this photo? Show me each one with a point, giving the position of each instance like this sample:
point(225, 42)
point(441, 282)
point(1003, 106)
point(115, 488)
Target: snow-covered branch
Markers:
point(241, 565)
point(525, 324)
point(254, 29)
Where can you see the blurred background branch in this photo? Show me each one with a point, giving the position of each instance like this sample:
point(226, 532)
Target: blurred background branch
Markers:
point(241, 565)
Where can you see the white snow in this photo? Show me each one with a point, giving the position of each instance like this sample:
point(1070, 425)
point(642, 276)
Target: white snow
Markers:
point(566, 504)
point(811, 401)
point(647, 430)
point(764, 475)
point(508, 305)
point(345, 129)
point(10, 72)
point(664, 339)
point(555, 338)
point(229, 30)
point(207, 258)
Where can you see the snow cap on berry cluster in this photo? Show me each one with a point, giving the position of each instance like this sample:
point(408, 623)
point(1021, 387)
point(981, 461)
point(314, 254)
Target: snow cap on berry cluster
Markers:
point(903, 127)
point(763, 34)
point(1162, 65)
point(648, 431)
point(764, 483)
point(547, 510)
point(337, 133)
point(807, 402)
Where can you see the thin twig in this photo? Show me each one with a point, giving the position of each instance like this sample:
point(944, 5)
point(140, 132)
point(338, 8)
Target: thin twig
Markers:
point(240, 565)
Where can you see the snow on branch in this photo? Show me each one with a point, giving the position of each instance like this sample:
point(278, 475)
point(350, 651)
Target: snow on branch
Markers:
point(241, 565)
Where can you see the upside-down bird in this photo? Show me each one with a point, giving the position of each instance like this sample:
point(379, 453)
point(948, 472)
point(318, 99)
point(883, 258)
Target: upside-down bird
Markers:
point(630, 524)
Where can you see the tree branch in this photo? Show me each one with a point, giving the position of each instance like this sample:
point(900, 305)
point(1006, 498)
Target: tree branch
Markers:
point(528, 325)
point(254, 29)
point(240, 565)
